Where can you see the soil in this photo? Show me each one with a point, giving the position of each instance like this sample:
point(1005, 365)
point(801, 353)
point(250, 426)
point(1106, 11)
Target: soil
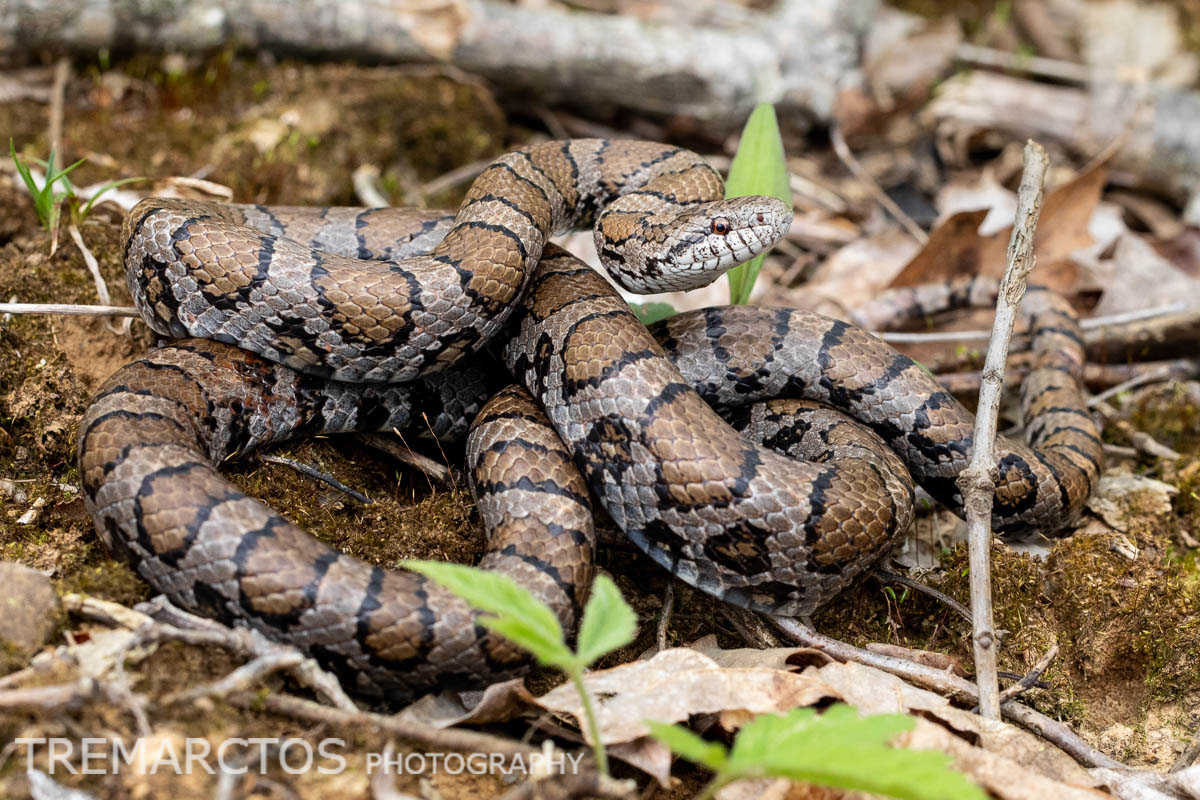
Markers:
point(1126, 677)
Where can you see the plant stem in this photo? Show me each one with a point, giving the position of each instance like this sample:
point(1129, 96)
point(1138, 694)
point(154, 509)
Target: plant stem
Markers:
point(718, 782)
point(589, 716)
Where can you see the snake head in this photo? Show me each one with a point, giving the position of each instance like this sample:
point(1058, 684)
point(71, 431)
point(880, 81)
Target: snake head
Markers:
point(662, 250)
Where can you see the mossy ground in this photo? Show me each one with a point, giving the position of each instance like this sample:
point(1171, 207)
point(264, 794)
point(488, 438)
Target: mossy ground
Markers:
point(294, 133)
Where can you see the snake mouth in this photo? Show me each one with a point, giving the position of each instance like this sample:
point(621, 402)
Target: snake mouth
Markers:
point(737, 246)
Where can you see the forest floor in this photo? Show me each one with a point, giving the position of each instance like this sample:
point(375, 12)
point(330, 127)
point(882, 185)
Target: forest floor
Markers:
point(1119, 597)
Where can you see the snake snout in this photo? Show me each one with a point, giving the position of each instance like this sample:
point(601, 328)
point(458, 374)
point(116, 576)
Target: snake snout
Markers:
point(698, 246)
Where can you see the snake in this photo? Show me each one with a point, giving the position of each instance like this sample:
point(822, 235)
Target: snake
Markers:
point(766, 456)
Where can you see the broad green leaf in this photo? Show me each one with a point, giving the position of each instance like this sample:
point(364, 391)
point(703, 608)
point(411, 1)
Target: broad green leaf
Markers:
point(839, 748)
point(650, 313)
point(759, 167)
point(519, 616)
point(686, 744)
point(608, 622)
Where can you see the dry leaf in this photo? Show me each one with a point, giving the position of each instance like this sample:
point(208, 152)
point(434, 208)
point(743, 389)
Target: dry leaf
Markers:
point(677, 683)
point(1006, 760)
point(978, 192)
point(856, 273)
point(1137, 277)
point(956, 248)
point(499, 702)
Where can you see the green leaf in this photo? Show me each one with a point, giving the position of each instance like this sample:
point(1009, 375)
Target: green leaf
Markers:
point(518, 615)
point(759, 167)
point(608, 622)
point(650, 313)
point(841, 749)
point(687, 744)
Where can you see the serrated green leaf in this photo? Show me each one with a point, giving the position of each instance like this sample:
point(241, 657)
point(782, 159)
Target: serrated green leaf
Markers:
point(650, 313)
point(687, 744)
point(759, 167)
point(608, 622)
point(518, 615)
point(838, 748)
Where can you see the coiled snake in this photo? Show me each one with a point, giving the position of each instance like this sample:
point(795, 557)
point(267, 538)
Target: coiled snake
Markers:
point(355, 315)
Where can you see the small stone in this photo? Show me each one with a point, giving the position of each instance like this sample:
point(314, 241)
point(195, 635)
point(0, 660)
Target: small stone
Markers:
point(28, 613)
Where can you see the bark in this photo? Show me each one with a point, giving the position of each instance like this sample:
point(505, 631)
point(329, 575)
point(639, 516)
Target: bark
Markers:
point(799, 55)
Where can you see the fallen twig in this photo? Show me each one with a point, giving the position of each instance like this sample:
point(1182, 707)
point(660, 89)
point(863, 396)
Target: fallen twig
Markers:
point(70, 309)
point(405, 454)
point(456, 739)
point(101, 287)
point(158, 621)
point(886, 576)
point(1160, 373)
point(365, 180)
point(313, 472)
point(1142, 441)
point(1031, 678)
point(847, 157)
point(1103, 377)
point(975, 482)
point(1179, 314)
point(572, 785)
point(952, 686)
point(664, 615)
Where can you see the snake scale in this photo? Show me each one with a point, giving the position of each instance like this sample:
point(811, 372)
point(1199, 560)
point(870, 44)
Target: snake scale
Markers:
point(301, 321)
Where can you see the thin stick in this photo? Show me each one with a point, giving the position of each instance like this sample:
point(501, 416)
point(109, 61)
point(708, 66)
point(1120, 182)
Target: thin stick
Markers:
point(664, 616)
point(1031, 678)
point(70, 309)
point(402, 452)
point(455, 177)
point(950, 685)
point(101, 287)
point(1142, 441)
point(1088, 323)
point(886, 576)
point(313, 472)
point(1033, 65)
point(843, 152)
point(412, 731)
point(1161, 373)
point(975, 482)
point(58, 96)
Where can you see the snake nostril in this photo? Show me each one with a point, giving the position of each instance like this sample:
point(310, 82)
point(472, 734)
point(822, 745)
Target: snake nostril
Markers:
point(759, 218)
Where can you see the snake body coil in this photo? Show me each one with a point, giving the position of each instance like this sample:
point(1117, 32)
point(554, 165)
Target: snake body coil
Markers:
point(779, 522)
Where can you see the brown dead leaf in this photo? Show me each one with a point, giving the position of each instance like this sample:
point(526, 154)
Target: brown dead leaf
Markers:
point(978, 192)
point(956, 249)
point(499, 702)
point(1137, 277)
point(1014, 757)
point(1183, 251)
point(677, 683)
point(789, 658)
point(854, 274)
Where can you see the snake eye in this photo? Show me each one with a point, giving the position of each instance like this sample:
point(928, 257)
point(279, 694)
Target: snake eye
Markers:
point(759, 218)
point(720, 226)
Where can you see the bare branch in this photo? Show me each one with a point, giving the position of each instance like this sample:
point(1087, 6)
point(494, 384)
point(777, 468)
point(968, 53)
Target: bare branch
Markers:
point(975, 482)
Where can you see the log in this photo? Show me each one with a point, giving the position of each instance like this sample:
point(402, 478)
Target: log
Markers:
point(799, 55)
point(1156, 126)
